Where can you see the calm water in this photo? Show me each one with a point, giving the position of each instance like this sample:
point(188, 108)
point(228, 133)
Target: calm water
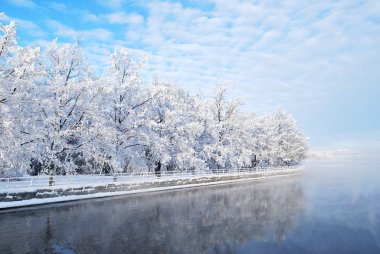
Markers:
point(333, 207)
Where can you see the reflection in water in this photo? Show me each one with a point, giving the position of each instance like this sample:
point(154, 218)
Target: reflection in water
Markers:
point(215, 219)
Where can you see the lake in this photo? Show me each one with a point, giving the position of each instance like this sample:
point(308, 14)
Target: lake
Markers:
point(331, 207)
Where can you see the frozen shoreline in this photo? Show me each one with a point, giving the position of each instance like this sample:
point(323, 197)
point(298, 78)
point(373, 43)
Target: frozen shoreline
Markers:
point(5, 205)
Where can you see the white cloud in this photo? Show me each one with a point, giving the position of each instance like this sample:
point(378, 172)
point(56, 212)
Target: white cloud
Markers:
point(23, 3)
point(115, 18)
point(98, 34)
point(90, 17)
point(30, 27)
point(27, 26)
point(261, 45)
point(57, 6)
point(303, 56)
point(123, 18)
point(113, 4)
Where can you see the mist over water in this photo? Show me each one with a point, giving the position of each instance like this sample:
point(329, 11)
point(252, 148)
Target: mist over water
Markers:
point(332, 207)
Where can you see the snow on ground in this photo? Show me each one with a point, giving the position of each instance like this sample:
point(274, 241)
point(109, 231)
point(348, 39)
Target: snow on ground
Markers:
point(32, 202)
point(35, 183)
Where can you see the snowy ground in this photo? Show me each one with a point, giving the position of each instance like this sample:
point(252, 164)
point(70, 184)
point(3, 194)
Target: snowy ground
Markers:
point(39, 185)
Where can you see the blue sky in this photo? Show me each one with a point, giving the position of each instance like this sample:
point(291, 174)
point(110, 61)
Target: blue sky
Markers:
point(320, 60)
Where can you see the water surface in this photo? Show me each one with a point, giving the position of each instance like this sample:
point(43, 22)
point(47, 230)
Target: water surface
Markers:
point(333, 207)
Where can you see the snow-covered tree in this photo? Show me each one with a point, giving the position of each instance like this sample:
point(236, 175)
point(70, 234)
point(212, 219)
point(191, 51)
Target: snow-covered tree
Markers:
point(227, 150)
point(260, 140)
point(57, 117)
point(123, 112)
point(59, 120)
point(17, 67)
point(288, 144)
point(173, 130)
point(8, 48)
point(277, 140)
point(17, 64)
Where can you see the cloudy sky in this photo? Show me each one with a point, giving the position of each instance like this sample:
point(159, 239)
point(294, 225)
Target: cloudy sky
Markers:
point(320, 60)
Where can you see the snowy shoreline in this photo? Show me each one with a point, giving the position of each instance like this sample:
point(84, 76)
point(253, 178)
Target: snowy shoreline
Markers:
point(127, 189)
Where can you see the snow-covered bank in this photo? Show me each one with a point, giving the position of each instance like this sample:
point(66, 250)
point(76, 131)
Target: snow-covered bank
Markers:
point(54, 195)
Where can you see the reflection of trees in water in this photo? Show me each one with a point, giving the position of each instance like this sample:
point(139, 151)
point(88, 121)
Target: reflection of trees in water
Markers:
point(204, 220)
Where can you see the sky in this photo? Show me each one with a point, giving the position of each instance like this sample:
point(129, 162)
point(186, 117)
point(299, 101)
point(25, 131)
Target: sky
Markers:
point(319, 60)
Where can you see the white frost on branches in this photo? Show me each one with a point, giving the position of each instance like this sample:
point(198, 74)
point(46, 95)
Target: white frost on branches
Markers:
point(58, 117)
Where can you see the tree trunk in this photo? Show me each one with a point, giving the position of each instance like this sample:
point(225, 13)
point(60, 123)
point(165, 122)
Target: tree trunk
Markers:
point(51, 180)
point(52, 172)
point(157, 170)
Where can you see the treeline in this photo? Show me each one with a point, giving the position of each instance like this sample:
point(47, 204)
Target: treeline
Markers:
point(59, 117)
